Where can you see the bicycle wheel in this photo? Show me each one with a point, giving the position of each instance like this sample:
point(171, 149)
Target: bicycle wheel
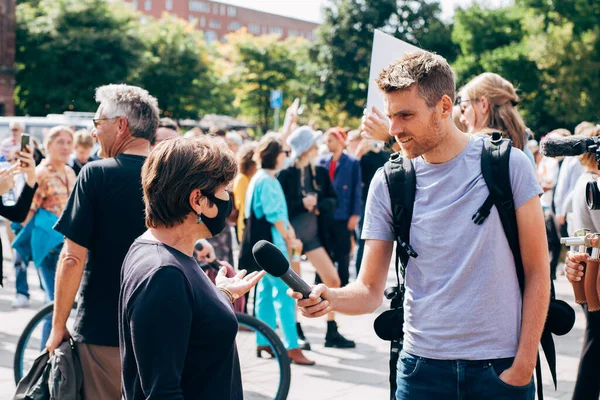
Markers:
point(30, 343)
point(262, 378)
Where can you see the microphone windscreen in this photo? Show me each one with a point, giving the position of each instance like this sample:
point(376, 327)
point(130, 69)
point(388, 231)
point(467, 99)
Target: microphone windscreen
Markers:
point(270, 258)
point(565, 146)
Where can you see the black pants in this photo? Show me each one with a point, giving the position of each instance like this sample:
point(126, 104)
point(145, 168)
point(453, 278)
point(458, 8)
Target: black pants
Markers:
point(554, 245)
point(587, 386)
point(340, 249)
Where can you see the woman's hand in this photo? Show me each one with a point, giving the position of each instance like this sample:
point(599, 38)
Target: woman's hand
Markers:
point(375, 126)
point(240, 284)
point(7, 179)
point(27, 166)
point(309, 202)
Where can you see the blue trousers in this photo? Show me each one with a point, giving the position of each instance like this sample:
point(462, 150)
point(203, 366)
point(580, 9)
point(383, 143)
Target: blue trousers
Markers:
point(420, 378)
point(47, 271)
point(21, 275)
point(273, 303)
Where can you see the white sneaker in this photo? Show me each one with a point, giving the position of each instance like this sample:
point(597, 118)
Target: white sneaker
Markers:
point(21, 301)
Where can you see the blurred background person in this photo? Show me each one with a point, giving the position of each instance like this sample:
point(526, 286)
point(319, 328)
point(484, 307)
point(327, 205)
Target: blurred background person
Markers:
point(17, 213)
point(167, 129)
point(246, 170)
point(372, 156)
point(587, 385)
point(167, 348)
point(344, 172)
point(265, 199)
point(570, 171)
point(55, 183)
point(234, 141)
point(488, 103)
point(311, 202)
point(13, 142)
point(83, 144)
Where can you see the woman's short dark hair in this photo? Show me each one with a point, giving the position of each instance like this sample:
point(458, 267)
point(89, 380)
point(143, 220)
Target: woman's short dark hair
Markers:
point(269, 147)
point(176, 168)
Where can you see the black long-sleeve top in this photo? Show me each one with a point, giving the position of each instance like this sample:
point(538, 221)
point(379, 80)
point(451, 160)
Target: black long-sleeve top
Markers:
point(17, 213)
point(289, 179)
point(176, 329)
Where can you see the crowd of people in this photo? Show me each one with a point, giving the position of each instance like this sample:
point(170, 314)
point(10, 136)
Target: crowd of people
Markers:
point(149, 203)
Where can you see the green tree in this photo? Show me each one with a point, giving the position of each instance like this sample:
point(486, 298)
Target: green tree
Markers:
point(345, 39)
point(176, 68)
point(67, 48)
point(258, 64)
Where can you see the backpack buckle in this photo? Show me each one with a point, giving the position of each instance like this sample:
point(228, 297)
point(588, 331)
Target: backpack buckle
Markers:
point(496, 137)
point(409, 250)
point(481, 215)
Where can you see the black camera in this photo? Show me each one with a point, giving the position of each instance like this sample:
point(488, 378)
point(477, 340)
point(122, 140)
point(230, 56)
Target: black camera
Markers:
point(592, 195)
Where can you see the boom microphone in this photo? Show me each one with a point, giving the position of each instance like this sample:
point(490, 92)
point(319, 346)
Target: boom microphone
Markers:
point(272, 260)
point(568, 146)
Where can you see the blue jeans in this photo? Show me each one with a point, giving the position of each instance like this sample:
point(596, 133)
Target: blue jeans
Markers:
point(21, 275)
point(422, 378)
point(47, 271)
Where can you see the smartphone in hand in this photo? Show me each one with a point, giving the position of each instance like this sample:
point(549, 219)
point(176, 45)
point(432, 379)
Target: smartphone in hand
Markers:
point(25, 141)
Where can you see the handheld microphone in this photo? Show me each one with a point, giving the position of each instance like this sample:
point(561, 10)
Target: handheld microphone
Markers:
point(272, 260)
point(568, 146)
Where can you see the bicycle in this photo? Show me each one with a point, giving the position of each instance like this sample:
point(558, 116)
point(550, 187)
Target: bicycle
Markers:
point(258, 374)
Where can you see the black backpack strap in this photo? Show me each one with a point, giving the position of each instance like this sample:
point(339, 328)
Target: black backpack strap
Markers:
point(401, 181)
point(495, 168)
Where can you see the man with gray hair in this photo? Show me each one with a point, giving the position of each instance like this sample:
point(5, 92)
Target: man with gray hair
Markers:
point(467, 331)
point(103, 217)
point(13, 142)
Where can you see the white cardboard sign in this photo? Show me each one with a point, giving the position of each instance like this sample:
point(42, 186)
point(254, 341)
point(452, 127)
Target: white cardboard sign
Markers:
point(386, 50)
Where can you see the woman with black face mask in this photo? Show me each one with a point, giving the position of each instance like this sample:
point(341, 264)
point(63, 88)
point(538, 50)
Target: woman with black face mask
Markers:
point(176, 329)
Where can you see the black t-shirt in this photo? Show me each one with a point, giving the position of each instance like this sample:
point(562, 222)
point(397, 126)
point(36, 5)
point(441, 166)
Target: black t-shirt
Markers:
point(369, 164)
point(176, 329)
point(105, 214)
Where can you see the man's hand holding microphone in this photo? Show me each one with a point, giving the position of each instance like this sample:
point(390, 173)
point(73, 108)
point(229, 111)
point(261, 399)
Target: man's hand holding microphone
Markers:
point(318, 303)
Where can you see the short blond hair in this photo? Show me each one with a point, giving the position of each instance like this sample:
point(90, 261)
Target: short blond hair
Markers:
point(430, 72)
point(55, 132)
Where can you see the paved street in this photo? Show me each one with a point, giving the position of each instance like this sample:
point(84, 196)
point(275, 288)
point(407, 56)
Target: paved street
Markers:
point(349, 374)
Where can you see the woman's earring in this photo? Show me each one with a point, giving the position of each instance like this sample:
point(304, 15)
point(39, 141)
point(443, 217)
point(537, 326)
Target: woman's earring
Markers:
point(199, 220)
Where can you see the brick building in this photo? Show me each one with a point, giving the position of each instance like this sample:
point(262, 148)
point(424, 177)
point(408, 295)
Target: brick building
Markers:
point(7, 56)
point(217, 19)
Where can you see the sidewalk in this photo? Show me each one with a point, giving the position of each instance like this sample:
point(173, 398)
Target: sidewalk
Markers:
point(361, 373)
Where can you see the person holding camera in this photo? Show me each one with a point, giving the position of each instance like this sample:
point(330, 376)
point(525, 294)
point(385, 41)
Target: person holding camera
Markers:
point(587, 385)
point(467, 327)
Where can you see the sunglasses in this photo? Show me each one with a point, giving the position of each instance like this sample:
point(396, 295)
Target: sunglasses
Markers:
point(287, 152)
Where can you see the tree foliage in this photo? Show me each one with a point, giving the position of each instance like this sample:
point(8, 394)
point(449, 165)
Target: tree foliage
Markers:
point(344, 41)
point(258, 65)
point(175, 68)
point(66, 48)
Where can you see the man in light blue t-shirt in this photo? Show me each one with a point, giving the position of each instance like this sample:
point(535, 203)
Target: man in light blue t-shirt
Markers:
point(467, 333)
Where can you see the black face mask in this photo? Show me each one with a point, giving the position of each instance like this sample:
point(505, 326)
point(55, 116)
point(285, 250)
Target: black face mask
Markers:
point(217, 224)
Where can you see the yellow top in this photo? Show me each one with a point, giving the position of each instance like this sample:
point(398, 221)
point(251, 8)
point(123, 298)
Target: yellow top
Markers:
point(240, 186)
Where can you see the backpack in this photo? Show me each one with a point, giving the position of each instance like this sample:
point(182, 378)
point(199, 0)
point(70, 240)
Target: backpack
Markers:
point(401, 181)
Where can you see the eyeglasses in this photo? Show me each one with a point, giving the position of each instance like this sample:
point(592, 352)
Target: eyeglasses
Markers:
point(461, 103)
point(97, 120)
